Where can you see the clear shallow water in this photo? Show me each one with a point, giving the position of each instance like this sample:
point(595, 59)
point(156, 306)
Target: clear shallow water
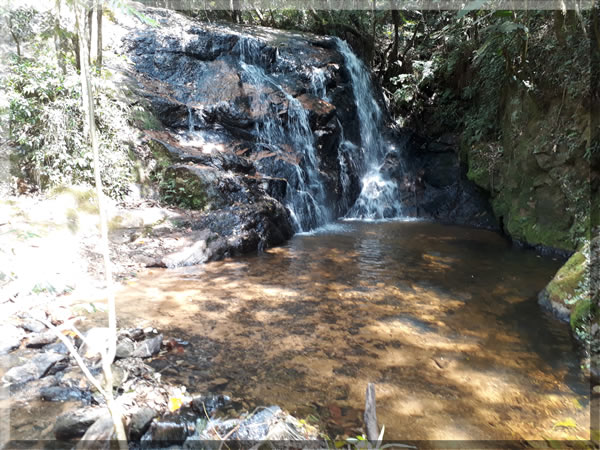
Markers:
point(443, 319)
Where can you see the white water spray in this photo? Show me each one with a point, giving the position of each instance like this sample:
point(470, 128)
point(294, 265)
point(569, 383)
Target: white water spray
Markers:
point(379, 196)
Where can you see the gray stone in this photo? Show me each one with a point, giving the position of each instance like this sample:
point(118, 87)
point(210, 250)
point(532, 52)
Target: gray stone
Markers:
point(32, 390)
point(10, 338)
point(125, 348)
point(61, 394)
point(140, 422)
point(42, 339)
point(99, 435)
point(148, 347)
point(33, 369)
point(74, 424)
point(58, 347)
point(34, 326)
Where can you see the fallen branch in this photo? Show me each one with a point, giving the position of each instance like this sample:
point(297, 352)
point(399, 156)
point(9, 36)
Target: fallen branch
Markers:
point(73, 351)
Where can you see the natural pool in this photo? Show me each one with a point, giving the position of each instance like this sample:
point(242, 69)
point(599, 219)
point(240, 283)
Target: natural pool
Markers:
point(444, 320)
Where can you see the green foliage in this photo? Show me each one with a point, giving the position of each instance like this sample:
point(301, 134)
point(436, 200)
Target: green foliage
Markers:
point(45, 120)
point(19, 22)
point(185, 192)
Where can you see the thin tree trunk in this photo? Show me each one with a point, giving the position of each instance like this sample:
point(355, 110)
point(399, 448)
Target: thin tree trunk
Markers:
point(88, 28)
point(99, 37)
point(76, 50)
point(236, 11)
point(373, 7)
point(396, 22)
point(109, 355)
point(14, 36)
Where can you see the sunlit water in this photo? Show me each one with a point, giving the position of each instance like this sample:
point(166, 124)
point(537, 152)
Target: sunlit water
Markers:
point(444, 320)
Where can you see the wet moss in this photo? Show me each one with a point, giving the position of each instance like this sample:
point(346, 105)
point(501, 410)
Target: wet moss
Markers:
point(182, 188)
point(145, 120)
point(582, 315)
point(567, 279)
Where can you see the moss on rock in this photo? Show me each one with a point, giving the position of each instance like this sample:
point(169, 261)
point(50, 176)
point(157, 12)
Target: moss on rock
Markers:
point(569, 293)
point(567, 279)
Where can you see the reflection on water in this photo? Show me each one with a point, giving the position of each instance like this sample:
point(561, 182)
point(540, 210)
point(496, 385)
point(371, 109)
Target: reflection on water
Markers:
point(443, 319)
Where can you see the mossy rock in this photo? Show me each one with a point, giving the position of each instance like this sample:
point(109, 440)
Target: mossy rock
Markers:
point(145, 120)
point(566, 280)
point(161, 154)
point(582, 315)
point(182, 187)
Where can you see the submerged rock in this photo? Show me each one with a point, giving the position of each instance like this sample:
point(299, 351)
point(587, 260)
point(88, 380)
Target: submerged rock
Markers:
point(269, 424)
point(74, 424)
point(61, 394)
point(99, 435)
point(140, 422)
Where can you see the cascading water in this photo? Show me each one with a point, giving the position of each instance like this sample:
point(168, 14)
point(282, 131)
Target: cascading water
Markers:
point(305, 194)
point(317, 83)
point(379, 196)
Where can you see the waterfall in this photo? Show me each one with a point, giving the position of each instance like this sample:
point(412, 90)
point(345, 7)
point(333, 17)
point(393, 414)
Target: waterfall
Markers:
point(305, 195)
point(317, 83)
point(190, 120)
point(379, 196)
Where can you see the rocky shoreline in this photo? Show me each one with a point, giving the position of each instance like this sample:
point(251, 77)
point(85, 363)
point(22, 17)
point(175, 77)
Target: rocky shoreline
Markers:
point(154, 413)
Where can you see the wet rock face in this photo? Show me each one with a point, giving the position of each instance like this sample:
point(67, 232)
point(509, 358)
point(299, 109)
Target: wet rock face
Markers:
point(261, 121)
point(255, 115)
point(435, 186)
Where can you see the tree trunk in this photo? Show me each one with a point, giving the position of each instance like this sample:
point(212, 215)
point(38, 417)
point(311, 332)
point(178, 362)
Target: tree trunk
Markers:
point(236, 11)
point(88, 29)
point(260, 15)
point(76, 50)
point(88, 104)
point(396, 22)
point(373, 6)
point(99, 37)
point(16, 39)
point(59, 45)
